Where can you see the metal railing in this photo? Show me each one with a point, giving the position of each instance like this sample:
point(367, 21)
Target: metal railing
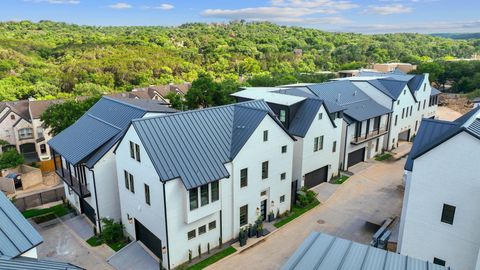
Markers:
point(79, 188)
point(370, 135)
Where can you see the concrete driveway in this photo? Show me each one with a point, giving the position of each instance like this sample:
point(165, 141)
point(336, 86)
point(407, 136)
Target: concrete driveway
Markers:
point(62, 244)
point(133, 256)
point(374, 193)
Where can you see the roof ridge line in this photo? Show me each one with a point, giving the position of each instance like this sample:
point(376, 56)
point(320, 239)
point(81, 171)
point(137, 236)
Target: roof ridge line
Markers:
point(103, 121)
point(125, 103)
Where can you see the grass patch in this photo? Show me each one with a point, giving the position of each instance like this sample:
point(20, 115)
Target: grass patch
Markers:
point(57, 211)
point(296, 212)
point(44, 218)
point(341, 179)
point(383, 157)
point(213, 259)
point(94, 241)
point(117, 245)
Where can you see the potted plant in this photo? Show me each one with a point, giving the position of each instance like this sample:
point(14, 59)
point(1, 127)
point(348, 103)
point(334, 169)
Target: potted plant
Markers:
point(259, 230)
point(271, 216)
point(252, 230)
point(242, 237)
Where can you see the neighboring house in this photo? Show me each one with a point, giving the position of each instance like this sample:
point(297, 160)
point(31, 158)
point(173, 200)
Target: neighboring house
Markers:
point(192, 179)
point(389, 67)
point(321, 251)
point(317, 131)
point(159, 92)
point(441, 207)
point(19, 241)
point(87, 160)
point(21, 127)
point(410, 97)
point(476, 102)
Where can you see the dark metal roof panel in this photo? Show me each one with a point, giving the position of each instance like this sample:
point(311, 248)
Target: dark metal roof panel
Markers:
point(416, 82)
point(435, 92)
point(324, 252)
point(17, 235)
point(23, 263)
point(195, 145)
point(395, 87)
point(366, 109)
point(475, 127)
point(304, 117)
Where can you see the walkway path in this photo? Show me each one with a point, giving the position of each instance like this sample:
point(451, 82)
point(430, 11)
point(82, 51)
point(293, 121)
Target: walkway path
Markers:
point(372, 194)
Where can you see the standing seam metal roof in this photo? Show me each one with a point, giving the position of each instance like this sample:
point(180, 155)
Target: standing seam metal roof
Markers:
point(304, 117)
point(23, 263)
point(325, 252)
point(195, 145)
point(91, 136)
point(17, 236)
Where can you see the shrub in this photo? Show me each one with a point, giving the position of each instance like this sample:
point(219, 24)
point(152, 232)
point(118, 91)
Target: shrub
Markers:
point(112, 231)
point(10, 159)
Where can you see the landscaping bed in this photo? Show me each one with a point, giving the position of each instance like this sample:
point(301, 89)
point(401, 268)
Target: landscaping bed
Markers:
point(306, 201)
point(46, 214)
point(112, 235)
point(340, 180)
point(383, 157)
point(213, 259)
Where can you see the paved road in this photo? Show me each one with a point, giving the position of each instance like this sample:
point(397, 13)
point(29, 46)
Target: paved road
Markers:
point(61, 244)
point(373, 193)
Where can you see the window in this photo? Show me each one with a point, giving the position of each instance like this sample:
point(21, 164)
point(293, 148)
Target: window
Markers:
point(243, 177)
point(147, 194)
point(43, 148)
point(448, 214)
point(419, 103)
point(132, 184)
point(438, 261)
point(212, 225)
point(202, 229)
point(396, 119)
point(315, 144)
point(263, 193)
point(283, 115)
point(25, 133)
point(321, 143)
point(204, 195)
point(403, 112)
point(193, 197)
point(320, 116)
point(284, 149)
point(398, 102)
point(376, 123)
point(264, 169)
point(334, 147)
point(376, 144)
point(191, 234)
point(424, 87)
point(283, 176)
point(404, 92)
point(127, 184)
point(215, 191)
point(244, 215)
point(12, 116)
point(282, 198)
point(411, 110)
point(424, 102)
point(132, 149)
point(40, 131)
point(137, 152)
point(265, 135)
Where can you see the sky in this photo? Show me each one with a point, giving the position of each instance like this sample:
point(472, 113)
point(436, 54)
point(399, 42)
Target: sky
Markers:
point(364, 16)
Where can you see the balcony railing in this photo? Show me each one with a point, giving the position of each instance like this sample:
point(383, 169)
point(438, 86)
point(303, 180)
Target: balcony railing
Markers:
point(370, 135)
point(79, 188)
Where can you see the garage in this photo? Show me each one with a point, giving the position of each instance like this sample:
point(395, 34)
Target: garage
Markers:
point(404, 136)
point(356, 157)
point(316, 177)
point(148, 239)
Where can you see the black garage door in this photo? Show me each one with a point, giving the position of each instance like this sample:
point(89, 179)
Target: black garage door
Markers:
point(148, 239)
point(316, 177)
point(356, 157)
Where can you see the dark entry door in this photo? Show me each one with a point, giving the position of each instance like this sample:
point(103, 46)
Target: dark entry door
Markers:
point(356, 157)
point(293, 195)
point(149, 239)
point(88, 211)
point(404, 135)
point(316, 177)
point(263, 209)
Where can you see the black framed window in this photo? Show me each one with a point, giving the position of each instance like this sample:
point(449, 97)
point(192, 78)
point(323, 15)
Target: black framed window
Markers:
point(147, 194)
point(282, 198)
point(212, 225)
point(204, 195)
point(320, 116)
point(376, 123)
point(284, 149)
point(215, 192)
point(396, 119)
point(132, 184)
point(126, 176)
point(137, 152)
point(193, 197)
point(264, 169)
point(265, 135)
point(320, 144)
point(283, 176)
point(448, 214)
point(202, 229)
point(315, 144)
point(334, 147)
point(439, 261)
point(191, 234)
point(283, 116)
point(243, 177)
point(244, 215)
point(132, 150)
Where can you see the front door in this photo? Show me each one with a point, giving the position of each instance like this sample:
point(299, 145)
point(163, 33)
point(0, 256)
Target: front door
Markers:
point(293, 195)
point(263, 209)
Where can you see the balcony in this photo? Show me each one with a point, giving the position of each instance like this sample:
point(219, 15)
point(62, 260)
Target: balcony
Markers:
point(81, 189)
point(370, 135)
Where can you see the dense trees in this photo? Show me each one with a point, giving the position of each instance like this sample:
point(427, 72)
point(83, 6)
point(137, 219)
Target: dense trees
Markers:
point(49, 59)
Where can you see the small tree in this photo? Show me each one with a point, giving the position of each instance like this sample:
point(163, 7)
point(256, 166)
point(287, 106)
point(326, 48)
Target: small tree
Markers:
point(176, 100)
point(10, 159)
point(112, 231)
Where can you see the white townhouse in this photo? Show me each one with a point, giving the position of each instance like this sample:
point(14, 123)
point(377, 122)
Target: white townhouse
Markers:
point(22, 129)
point(410, 97)
point(84, 154)
point(195, 178)
point(441, 209)
point(317, 131)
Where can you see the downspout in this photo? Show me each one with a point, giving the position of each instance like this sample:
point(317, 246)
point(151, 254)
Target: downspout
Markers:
point(96, 200)
point(166, 225)
point(345, 149)
point(389, 119)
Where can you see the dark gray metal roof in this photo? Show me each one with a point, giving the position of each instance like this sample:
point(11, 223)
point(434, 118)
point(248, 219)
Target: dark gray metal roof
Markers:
point(321, 251)
point(434, 132)
point(23, 263)
point(435, 92)
point(357, 105)
point(307, 93)
point(17, 236)
point(395, 87)
point(415, 83)
point(304, 117)
point(195, 145)
point(91, 136)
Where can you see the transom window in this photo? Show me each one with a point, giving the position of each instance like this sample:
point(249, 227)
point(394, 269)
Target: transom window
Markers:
point(212, 225)
point(202, 229)
point(439, 261)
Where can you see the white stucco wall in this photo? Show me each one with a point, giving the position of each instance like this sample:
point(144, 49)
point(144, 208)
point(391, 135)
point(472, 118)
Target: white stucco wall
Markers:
point(448, 174)
point(32, 253)
point(404, 101)
point(6, 127)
